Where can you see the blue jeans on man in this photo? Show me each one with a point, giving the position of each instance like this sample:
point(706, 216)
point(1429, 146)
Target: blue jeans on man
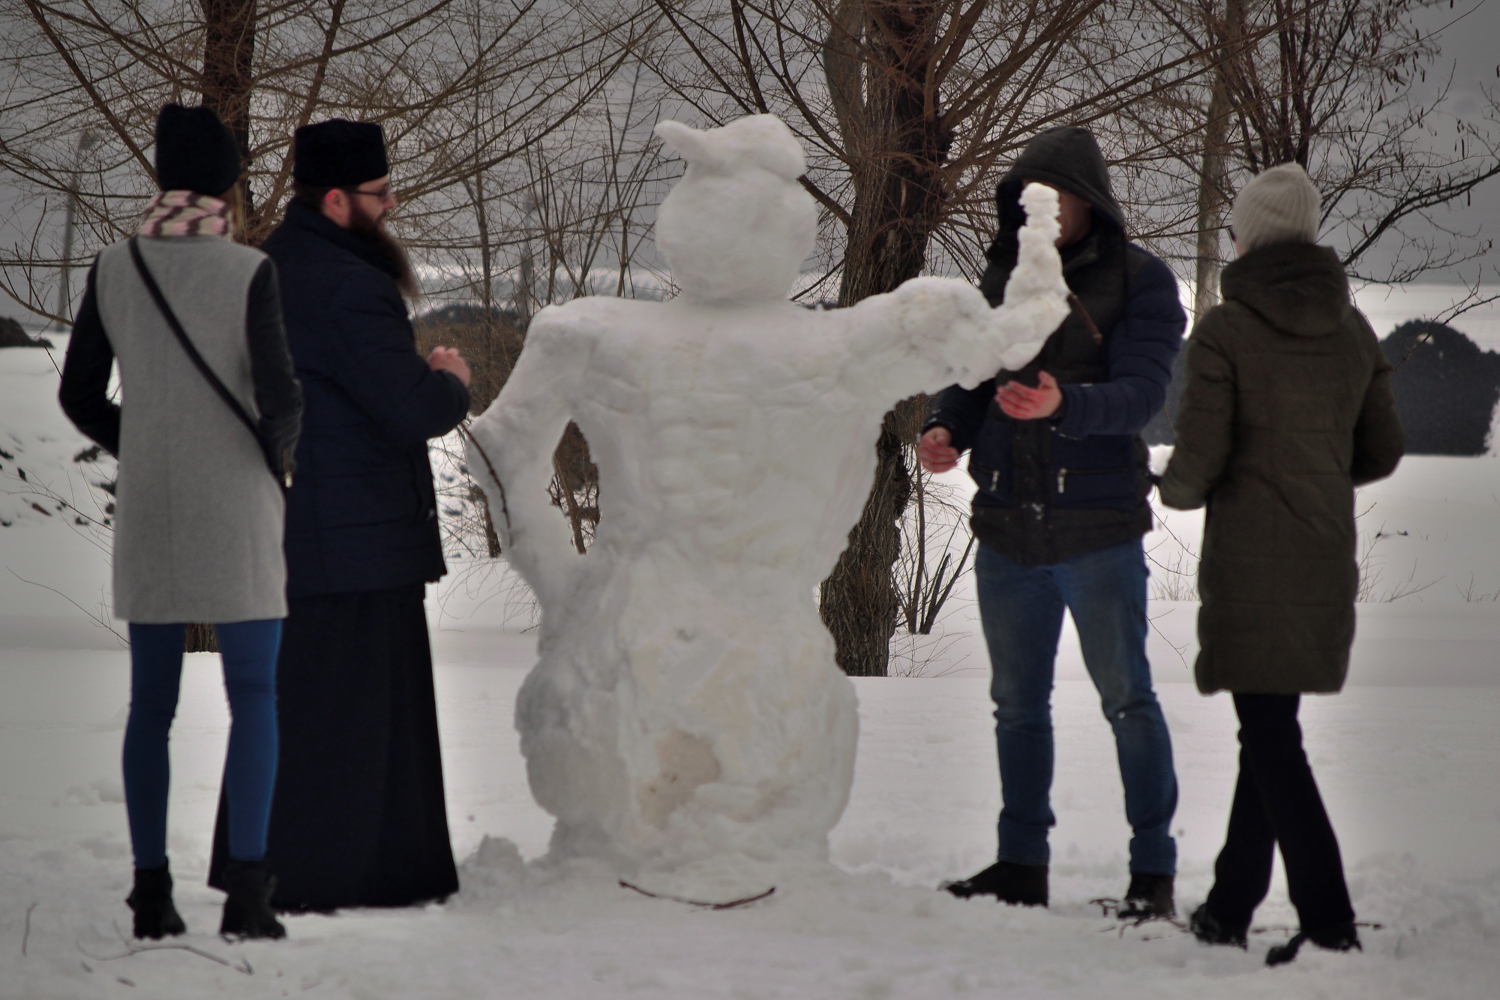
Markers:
point(1022, 611)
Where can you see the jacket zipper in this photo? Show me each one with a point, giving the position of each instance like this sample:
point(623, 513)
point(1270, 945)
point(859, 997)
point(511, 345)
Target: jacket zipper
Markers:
point(1062, 475)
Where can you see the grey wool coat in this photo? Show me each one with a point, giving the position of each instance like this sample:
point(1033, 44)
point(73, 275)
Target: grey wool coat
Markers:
point(1286, 408)
point(199, 515)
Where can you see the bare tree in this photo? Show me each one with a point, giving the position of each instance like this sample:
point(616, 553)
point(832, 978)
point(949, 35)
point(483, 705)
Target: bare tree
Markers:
point(908, 107)
point(1332, 85)
point(462, 87)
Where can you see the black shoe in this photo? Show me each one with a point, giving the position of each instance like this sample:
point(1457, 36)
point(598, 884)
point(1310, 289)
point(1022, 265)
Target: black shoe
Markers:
point(151, 899)
point(1339, 937)
point(1149, 897)
point(247, 911)
point(1207, 928)
point(1018, 885)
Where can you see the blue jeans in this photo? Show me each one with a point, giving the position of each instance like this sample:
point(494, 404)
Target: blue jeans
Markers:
point(249, 654)
point(1022, 611)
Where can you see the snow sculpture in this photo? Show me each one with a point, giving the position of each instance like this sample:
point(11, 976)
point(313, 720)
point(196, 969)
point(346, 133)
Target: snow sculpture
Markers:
point(686, 703)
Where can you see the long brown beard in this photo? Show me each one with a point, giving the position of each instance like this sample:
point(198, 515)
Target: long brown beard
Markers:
point(391, 251)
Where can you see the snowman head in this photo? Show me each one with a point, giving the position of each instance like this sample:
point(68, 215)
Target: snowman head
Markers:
point(737, 227)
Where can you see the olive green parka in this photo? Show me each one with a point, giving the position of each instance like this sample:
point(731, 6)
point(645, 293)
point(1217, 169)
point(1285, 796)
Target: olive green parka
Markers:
point(1287, 406)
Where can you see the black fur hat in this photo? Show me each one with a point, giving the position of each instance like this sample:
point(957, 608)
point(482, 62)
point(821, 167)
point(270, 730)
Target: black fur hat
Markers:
point(194, 151)
point(339, 153)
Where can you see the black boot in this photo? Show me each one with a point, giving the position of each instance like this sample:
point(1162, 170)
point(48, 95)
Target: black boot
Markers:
point(247, 911)
point(1339, 937)
point(151, 899)
point(1149, 897)
point(1018, 885)
point(1207, 928)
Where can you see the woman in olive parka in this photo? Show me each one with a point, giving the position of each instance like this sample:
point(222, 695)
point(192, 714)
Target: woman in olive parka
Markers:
point(1287, 407)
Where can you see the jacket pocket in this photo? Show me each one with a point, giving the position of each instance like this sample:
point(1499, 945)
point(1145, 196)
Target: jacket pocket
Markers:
point(990, 462)
point(1072, 487)
point(994, 484)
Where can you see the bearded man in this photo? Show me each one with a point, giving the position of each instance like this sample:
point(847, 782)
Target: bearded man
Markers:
point(358, 817)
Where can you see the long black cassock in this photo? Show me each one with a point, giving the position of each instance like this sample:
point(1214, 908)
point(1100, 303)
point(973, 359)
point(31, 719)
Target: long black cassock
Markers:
point(358, 817)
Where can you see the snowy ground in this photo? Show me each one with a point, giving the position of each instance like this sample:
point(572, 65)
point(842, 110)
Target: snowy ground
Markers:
point(1406, 757)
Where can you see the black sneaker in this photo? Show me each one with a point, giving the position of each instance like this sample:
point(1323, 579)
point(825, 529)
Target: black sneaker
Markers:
point(1148, 898)
point(151, 900)
point(1339, 937)
point(247, 911)
point(1018, 885)
point(1207, 928)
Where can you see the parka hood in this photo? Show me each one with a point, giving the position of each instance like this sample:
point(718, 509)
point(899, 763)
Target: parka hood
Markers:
point(1298, 288)
point(1066, 157)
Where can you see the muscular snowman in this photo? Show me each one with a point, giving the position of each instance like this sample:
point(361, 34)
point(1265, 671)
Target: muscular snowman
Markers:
point(686, 703)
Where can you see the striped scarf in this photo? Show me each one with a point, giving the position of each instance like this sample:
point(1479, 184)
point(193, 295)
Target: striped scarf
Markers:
point(185, 213)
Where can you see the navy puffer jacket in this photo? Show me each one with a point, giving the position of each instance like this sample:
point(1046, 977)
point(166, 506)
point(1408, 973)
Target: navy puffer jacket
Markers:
point(362, 513)
point(1053, 489)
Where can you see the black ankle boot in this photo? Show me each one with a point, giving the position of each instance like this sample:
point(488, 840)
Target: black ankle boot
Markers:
point(1339, 937)
point(151, 899)
point(1018, 885)
point(247, 911)
point(1149, 897)
point(1207, 928)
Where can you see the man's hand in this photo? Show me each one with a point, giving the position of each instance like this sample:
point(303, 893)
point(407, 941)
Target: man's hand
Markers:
point(1020, 402)
point(935, 450)
point(447, 359)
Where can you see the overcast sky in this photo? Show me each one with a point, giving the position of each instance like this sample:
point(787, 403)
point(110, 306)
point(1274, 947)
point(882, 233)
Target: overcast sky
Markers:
point(1468, 35)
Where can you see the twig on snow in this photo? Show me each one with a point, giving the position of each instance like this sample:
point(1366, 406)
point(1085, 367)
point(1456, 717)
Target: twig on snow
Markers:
point(131, 948)
point(700, 903)
point(96, 619)
point(26, 934)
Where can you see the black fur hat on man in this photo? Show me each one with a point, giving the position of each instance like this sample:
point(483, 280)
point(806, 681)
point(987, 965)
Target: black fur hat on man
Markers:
point(339, 153)
point(194, 151)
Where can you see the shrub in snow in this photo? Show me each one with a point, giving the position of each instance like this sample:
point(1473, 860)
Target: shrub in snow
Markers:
point(1446, 388)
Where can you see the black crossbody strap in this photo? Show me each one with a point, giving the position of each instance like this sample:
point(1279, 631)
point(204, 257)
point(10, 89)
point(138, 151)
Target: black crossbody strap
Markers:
point(187, 345)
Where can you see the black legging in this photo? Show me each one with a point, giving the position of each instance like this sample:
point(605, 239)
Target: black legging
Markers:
point(1276, 801)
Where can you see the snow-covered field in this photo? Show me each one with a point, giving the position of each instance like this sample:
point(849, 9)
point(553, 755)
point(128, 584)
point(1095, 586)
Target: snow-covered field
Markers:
point(1407, 758)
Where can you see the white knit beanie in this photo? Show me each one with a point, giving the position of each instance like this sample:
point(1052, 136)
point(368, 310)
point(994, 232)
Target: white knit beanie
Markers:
point(1279, 205)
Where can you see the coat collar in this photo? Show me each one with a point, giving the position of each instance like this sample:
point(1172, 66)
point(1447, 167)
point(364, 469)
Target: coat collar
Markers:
point(305, 217)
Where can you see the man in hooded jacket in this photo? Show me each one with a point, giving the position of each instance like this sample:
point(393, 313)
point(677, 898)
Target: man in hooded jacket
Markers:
point(1063, 479)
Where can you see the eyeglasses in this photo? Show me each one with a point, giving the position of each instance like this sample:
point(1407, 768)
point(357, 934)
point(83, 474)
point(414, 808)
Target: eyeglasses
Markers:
point(384, 194)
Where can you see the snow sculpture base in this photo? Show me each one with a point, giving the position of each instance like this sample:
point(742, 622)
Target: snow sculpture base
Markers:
point(686, 707)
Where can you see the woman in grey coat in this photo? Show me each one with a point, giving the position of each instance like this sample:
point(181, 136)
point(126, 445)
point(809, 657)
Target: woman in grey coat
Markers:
point(1287, 407)
point(199, 509)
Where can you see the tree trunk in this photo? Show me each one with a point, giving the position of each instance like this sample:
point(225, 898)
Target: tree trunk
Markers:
point(228, 57)
point(200, 637)
point(1212, 190)
point(228, 62)
point(896, 142)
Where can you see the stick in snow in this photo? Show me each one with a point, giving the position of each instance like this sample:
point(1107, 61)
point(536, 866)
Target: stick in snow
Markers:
point(26, 935)
point(700, 903)
point(242, 966)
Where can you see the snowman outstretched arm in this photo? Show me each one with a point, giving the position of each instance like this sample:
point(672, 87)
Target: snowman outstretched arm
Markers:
point(933, 332)
point(510, 452)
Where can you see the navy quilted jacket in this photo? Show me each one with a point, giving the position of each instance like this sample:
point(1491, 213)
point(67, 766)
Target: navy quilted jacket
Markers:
point(362, 513)
point(1052, 489)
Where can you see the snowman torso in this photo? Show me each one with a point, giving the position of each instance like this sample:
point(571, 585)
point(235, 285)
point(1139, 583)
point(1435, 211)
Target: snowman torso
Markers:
point(724, 435)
